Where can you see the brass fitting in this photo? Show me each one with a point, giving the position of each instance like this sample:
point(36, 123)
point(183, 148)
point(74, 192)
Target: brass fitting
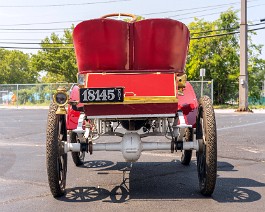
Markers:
point(61, 99)
point(181, 83)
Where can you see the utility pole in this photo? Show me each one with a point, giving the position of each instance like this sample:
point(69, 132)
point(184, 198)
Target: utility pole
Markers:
point(243, 78)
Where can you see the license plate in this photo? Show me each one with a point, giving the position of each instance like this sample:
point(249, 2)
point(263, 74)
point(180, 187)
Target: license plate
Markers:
point(90, 95)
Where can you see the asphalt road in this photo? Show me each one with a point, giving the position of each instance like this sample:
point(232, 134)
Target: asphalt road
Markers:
point(158, 182)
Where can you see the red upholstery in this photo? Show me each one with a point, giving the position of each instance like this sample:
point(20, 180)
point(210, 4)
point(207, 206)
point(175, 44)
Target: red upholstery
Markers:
point(160, 44)
point(101, 44)
point(106, 45)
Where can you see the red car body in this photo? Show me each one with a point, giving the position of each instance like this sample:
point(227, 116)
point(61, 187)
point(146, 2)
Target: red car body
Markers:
point(144, 57)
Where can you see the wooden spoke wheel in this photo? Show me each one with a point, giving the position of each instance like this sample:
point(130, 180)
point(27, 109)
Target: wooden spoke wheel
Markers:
point(56, 159)
point(207, 155)
point(78, 157)
point(187, 154)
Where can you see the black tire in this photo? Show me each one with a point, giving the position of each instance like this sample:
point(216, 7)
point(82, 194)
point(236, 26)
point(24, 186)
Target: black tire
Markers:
point(56, 159)
point(187, 154)
point(78, 157)
point(207, 156)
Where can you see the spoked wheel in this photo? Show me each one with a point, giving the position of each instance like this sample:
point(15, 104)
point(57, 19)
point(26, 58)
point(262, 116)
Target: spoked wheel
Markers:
point(56, 159)
point(207, 155)
point(187, 154)
point(78, 157)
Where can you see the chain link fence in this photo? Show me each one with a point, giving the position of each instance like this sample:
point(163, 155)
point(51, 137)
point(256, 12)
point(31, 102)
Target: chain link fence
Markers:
point(28, 94)
point(203, 88)
point(41, 94)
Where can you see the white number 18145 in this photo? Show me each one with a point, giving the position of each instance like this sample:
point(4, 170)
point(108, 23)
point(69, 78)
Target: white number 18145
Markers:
point(101, 95)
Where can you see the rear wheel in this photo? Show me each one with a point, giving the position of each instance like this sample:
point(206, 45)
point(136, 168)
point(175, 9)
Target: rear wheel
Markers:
point(187, 154)
point(207, 155)
point(56, 159)
point(78, 157)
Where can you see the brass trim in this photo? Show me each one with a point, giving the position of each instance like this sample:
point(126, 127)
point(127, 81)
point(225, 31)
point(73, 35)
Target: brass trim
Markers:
point(140, 100)
point(61, 110)
point(61, 107)
point(182, 81)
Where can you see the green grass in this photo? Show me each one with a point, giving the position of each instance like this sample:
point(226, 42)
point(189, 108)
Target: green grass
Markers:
point(257, 106)
point(227, 106)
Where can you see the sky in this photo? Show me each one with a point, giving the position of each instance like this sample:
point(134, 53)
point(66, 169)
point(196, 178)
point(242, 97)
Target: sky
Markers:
point(30, 21)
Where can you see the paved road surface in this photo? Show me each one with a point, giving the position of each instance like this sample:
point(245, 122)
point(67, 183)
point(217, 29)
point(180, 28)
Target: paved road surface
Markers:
point(158, 182)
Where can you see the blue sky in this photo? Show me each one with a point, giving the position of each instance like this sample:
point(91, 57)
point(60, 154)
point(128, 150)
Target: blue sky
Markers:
point(29, 14)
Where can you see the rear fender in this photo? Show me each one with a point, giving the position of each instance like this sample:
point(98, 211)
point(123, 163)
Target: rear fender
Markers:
point(72, 115)
point(188, 104)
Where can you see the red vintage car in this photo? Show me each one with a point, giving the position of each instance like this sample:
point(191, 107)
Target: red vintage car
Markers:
point(131, 74)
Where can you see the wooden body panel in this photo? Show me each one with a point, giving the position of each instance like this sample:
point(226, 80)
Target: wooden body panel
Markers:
point(149, 93)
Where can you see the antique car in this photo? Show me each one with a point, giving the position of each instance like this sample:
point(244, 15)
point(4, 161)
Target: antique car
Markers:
point(130, 74)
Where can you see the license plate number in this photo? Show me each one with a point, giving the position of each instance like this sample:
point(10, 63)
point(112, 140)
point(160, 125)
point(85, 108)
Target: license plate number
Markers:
point(90, 95)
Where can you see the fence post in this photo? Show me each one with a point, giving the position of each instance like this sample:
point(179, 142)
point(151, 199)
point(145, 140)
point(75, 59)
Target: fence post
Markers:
point(50, 92)
point(202, 74)
point(212, 91)
point(17, 95)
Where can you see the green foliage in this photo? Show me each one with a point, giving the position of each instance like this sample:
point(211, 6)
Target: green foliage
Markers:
point(25, 95)
point(15, 67)
point(256, 71)
point(59, 64)
point(219, 55)
point(138, 18)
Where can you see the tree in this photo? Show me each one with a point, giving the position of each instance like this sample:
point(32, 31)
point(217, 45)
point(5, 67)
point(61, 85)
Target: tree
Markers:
point(59, 63)
point(256, 72)
point(219, 55)
point(15, 68)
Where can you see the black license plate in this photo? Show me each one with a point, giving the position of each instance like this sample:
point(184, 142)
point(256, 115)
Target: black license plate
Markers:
point(90, 95)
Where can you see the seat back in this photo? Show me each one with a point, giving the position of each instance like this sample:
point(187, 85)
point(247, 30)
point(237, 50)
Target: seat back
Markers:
point(106, 45)
point(160, 44)
point(101, 44)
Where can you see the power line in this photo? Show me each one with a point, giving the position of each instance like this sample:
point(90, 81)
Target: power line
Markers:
point(218, 30)
point(75, 21)
point(31, 32)
point(216, 35)
point(224, 34)
point(200, 16)
point(193, 12)
point(194, 38)
point(257, 5)
point(208, 13)
point(256, 24)
point(51, 29)
point(31, 29)
point(62, 5)
point(34, 43)
point(195, 8)
point(215, 30)
point(62, 29)
point(42, 23)
point(24, 29)
point(44, 30)
point(250, 30)
point(17, 47)
point(21, 39)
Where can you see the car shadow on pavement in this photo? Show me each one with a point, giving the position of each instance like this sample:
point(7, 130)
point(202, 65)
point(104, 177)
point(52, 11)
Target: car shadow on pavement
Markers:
point(97, 164)
point(163, 181)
